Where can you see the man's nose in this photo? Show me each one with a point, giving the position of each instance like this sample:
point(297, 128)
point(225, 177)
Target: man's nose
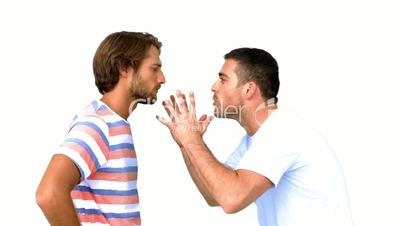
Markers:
point(162, 79)
point(214, 87)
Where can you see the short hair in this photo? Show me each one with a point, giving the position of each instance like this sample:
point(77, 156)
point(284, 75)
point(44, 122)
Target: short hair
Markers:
point(120, 49)
point(259, 66)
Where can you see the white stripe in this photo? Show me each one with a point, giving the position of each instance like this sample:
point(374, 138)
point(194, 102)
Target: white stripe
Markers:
point(122, 162)
point(107, 208)
point(90, 141)
point(118, 139)
point(113, 118)
point(112, 185)
point(75, 157)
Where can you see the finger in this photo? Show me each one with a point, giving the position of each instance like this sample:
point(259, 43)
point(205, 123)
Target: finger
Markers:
point(174, 104)
point(203, 118)
point(205, 122)
point(170, 114)
point(169, 109)
point(192, 102)
point(163, 121)
point(181, 98)
point(210, 118)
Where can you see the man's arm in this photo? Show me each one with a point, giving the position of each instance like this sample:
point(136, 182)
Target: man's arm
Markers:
point(198, 182)
point(53, 193)
point(232, 190)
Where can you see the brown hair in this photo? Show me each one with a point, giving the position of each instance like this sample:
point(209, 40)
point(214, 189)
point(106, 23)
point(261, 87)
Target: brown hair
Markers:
point(259, 66)
point(120, 49)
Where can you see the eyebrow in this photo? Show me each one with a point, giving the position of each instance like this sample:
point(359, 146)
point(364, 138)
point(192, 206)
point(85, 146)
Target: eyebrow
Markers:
point(223, 75)
point(158, 65)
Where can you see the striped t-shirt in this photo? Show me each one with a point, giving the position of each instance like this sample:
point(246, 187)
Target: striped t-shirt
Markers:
point(99, 142)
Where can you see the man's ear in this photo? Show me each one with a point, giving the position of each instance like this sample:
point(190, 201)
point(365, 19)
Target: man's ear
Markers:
point(250, 89)
point(123, 71)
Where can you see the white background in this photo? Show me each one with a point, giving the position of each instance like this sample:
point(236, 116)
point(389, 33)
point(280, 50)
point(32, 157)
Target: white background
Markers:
point(340, 66)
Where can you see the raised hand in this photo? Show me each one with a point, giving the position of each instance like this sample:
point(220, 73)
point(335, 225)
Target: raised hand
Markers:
point(184, 125)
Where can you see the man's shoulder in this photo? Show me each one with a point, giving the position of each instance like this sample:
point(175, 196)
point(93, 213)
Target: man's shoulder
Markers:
point(92, 114)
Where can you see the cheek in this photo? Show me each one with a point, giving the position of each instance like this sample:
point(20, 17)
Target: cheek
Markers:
point(148, 79)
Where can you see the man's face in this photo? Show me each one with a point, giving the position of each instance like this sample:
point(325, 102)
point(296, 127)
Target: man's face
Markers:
point(148, 79)
point(227, 94)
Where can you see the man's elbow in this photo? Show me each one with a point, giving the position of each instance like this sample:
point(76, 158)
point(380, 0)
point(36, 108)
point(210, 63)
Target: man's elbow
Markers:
point(231, 206)
point(44, 199)
point(230, 209)
point(47, 199)
point(211, 202)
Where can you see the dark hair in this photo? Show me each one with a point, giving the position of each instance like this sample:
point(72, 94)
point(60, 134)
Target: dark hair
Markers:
point(120, 49)
point(259, 66)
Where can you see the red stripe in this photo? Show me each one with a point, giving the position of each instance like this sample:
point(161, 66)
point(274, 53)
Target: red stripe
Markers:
point(96, 218)
point(94, 134)
point(119, 130)
point(104, 112)
point(84, 154)
point(122, 153)
point(92, 218)
point(125, 221)
point(113, 176)
point(104, 199)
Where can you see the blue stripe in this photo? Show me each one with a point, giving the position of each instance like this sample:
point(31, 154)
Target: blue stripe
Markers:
point(95, 127)
point(94, 105)
point(118, 123)
point(87, 148)
point(122, 215)
point(122, 146)
point(108, 215)
point(105, 191)
point(119, 170)
point(102, 107)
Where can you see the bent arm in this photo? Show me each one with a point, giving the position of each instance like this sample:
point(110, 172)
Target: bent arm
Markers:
point(53, 193)
point(233, 190)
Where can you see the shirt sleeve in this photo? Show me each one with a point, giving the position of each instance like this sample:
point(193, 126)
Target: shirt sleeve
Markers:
point(233, 160)
point(270, 155)
point(87, 144)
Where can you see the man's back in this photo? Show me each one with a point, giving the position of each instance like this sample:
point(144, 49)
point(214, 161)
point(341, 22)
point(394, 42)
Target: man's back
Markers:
point(309, 187)
point(100, 144)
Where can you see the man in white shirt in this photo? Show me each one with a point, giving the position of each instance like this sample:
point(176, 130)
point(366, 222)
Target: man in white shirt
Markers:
point(281, 164)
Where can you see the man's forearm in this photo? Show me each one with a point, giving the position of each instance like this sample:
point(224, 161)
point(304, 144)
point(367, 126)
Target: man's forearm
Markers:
point(59, 210)
point(220, 182)
point(198, 182)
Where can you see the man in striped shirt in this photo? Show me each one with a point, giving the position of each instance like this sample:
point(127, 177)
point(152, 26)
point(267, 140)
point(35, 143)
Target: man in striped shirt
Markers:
point(92, 178)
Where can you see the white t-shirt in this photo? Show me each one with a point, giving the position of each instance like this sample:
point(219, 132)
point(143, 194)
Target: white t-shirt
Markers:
point(309, 188)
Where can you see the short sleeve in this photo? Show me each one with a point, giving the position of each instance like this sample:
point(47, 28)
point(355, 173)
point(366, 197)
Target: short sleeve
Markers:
point(87, 144)
point(270, 154)
point(233, 160)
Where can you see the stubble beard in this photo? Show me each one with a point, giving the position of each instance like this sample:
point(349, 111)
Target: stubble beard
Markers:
point(227, 111)
point(139, 92)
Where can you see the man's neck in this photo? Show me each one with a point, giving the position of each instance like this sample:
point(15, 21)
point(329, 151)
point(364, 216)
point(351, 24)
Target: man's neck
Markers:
point(252, 120)
point(120, 104)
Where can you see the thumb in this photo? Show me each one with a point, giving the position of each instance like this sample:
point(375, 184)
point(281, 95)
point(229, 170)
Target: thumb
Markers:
point(203, 118)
